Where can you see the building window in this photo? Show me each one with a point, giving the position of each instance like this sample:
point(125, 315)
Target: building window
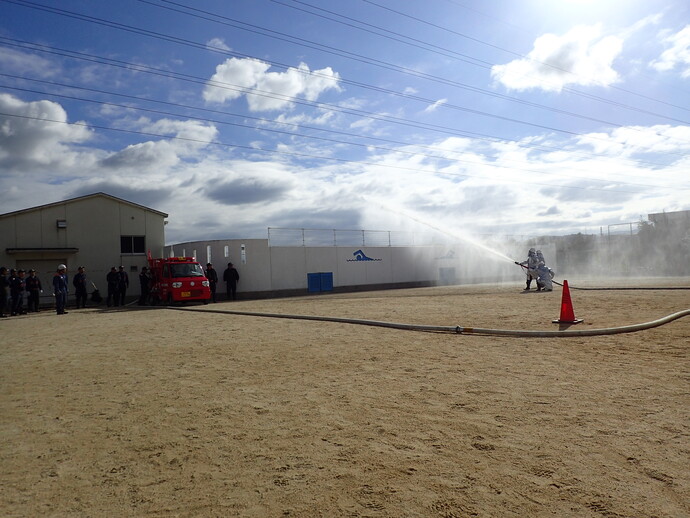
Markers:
point(132, 245)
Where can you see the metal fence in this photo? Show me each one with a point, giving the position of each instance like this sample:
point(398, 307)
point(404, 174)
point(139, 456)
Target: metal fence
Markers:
point(336, 237)
point(619, 229)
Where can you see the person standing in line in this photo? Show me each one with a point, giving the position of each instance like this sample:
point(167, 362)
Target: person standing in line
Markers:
point(60, 289)
point(122, 284)
point(231, 278)
point(113, 281)
point(4, 291)
point(11, 275)
point(144, 281)
point(79, 282)
point(34, 290)
point(17, 289)
point(212, 277)
point(10, 279)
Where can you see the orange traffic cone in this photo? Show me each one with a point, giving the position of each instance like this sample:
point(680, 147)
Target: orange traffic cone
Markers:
point(567, 313)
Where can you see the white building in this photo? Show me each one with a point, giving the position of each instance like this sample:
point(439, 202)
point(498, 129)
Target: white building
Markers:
point(96, 231)
point(268, 269)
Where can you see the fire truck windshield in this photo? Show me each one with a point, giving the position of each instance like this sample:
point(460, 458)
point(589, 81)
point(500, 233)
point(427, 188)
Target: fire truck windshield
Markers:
point(186, 270)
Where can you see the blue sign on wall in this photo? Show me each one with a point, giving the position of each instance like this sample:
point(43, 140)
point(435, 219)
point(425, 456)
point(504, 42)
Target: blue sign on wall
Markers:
point(361, 256)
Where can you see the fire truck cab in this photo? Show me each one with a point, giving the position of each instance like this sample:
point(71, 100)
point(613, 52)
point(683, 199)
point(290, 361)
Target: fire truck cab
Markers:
point(177, 279)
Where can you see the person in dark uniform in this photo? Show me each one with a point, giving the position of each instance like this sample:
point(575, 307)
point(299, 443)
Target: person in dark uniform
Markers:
point(144, 281)
point(4, 291)
point(10, 278)
point(79, 282)
point(34, 290)
point(17, 289)
point(60, 289)
point(212, 277)
point(113, 280)
point(231, 278)
point(122, 285)
point(12, 275)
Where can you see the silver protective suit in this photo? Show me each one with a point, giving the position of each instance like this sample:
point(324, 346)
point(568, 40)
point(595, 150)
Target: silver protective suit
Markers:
point(544, 273)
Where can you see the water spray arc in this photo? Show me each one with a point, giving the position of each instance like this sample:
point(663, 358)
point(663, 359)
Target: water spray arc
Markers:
point(446, 232)
point(494, 252)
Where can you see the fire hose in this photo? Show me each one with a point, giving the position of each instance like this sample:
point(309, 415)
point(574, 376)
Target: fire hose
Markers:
point(456, 329)
point(563, 333)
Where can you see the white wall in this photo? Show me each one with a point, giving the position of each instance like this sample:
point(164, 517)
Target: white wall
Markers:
point(287, 267)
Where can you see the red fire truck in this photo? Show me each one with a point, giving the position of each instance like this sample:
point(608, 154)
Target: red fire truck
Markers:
point(177, 279)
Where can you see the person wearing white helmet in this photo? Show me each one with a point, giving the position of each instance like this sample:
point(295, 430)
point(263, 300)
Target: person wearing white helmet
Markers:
point(530, 267)
point(544, 273)
point(60, 289)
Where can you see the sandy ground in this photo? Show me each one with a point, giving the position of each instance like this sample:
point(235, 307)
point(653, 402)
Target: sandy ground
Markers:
point(197, 414)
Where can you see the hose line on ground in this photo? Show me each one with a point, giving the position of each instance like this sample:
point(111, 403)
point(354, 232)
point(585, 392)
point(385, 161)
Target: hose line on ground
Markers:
point(457, 329)
point(621, 288)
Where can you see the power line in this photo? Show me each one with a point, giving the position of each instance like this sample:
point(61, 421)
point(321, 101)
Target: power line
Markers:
point(190, 11)
point(477, 40)
point(323, 139)
point(216, 17)
point(390, 66)
point(321, 105)
point(202, 81)
point(304, 155)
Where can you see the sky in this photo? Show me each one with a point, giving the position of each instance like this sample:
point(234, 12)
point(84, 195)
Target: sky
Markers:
point(529, 118)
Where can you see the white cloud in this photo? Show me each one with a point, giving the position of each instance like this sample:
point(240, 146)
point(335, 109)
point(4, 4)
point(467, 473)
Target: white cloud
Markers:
point(677, 54)
point(433, 107)
point(191, 137)
point(198, 133)
point(143, 156)
point(672, 142)
point(302, 119)
point(26, 64)
point(238, 74)
point(486, 186)
point(28, 140)
point(217, 43)
point(652, 19)
point(581, 57)
point(266, 90)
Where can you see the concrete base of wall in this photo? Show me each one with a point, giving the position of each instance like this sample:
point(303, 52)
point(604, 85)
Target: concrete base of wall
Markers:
point(254, 295)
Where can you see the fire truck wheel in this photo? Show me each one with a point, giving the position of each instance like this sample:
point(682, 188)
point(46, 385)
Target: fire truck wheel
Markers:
point(205, 301)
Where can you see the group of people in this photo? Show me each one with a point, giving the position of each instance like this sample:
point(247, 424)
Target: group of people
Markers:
point(536, 269)
point(15, 286)
point(118, 282)
point(230, 276)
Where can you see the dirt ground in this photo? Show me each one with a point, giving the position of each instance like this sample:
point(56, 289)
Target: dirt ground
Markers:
point(194, 413)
